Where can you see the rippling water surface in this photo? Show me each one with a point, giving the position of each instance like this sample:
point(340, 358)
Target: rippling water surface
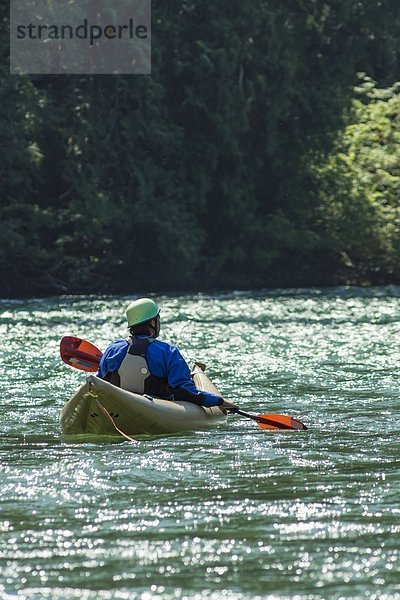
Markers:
point(234, 513)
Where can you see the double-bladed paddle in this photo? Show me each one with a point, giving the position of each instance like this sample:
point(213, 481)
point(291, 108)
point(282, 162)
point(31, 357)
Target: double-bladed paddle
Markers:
point(85, 356)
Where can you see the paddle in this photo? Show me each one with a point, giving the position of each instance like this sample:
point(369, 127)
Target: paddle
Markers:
point(273, 421)
point(85, 356)
point(80, 354)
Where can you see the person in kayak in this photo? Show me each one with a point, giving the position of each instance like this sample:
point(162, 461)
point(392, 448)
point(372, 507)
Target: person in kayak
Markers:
point(145, 365)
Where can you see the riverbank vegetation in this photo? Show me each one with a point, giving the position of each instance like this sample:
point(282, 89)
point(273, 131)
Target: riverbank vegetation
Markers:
point(255, 155)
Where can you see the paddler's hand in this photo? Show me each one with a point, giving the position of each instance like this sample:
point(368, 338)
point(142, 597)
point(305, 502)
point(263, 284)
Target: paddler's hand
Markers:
point(228, 407)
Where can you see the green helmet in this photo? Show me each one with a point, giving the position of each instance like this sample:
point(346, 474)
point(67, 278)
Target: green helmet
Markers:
point(140, 311)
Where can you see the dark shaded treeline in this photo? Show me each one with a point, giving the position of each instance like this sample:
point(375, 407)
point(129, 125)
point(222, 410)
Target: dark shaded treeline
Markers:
point(213, 172)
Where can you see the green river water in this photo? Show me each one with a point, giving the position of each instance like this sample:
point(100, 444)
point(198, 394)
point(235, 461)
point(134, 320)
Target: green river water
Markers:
point(233, 513)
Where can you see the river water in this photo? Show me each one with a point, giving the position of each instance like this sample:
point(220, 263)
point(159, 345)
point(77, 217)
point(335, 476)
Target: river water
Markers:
point(233, 513)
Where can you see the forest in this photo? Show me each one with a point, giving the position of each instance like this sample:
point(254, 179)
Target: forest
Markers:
point(262, 151)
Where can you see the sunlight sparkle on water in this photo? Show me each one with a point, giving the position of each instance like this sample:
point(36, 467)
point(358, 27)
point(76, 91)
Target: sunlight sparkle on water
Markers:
point(223, 514)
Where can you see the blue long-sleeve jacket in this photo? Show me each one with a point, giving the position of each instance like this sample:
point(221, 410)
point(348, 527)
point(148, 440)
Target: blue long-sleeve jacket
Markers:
point(163, 360)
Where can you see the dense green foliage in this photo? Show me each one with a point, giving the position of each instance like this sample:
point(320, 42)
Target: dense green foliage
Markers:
point(230, 166)
point(359, 188)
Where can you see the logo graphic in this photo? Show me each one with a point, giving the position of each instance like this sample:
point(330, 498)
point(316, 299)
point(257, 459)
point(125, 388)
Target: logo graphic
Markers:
point(80, 37)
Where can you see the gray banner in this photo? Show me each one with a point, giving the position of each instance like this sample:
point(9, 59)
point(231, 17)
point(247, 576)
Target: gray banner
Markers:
point(80, 36)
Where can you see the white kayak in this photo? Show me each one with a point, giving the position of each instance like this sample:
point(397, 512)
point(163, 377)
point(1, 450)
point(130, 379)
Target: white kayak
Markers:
point(100, 408)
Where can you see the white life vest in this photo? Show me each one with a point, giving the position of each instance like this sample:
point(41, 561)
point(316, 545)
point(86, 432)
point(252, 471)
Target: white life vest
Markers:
point(134, 369)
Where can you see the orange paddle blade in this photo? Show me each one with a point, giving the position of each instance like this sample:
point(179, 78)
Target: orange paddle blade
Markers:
point(272, 421)
point(283, 420)
point(80, 354)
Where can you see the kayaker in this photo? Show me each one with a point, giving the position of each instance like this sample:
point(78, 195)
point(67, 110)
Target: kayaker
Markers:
point(145, 365)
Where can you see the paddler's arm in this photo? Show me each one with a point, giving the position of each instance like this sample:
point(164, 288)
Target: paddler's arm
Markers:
point(111, 360)
point(177, 371)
